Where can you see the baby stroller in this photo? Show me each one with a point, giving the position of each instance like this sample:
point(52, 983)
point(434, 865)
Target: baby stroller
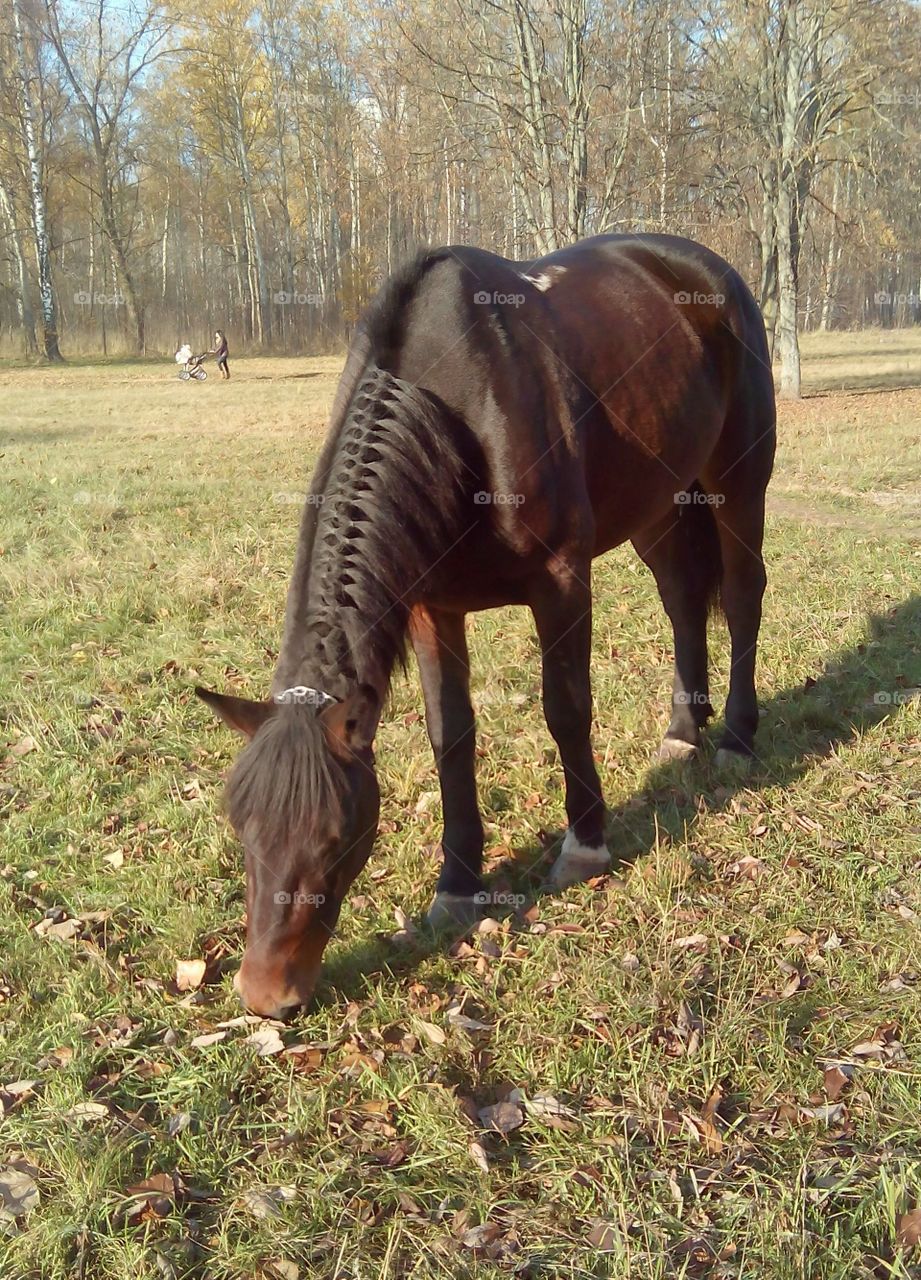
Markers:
point(191, 364)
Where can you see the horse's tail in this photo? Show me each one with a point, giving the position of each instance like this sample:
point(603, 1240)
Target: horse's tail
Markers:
point(703, 545)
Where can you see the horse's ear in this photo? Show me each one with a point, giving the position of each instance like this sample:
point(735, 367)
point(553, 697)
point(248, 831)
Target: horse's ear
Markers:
point(241, 714)
point(350, 725)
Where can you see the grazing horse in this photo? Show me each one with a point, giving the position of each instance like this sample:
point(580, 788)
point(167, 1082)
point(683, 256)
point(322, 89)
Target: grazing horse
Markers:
point(497, 426)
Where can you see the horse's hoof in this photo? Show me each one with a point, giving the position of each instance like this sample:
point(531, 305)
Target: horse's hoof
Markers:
point(578, 862)
point(733, 763)
point(676, 749)
point(453, 911)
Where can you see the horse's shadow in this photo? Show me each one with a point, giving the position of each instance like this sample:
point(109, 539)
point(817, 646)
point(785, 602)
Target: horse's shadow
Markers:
point(859, 688)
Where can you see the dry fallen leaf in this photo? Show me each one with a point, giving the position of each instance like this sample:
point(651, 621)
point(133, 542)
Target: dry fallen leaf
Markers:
point(18, 1193)
point(87, 1111)
point(266, 1041)
point(478, 1154)
point(211, 1037)
point(908, 1229)
point(553, 1112)
point(605, 1237)
point(432, 1032)
point(480, 1237)
point(190, 974)
point(504, 1117)
point(266, 1202)
point(695, 942)
point(836, 1079)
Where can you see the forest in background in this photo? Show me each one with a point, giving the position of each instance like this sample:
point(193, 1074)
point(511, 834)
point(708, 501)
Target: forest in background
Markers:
point(262, 167)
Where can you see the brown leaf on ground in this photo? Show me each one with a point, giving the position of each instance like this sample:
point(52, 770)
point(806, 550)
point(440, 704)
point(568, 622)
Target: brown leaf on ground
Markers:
point(883, 1045)
point(908, 1229)
point(390, 1156)
point(503, 1117)
point(152, 1198)
point(481, 1237)
point(835, 1081)
point(605, 1236)
point(304, 1057)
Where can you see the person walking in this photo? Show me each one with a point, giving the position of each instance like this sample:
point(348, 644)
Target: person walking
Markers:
point(219, 351)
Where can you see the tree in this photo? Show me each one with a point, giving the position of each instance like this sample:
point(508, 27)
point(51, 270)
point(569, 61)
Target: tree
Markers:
point(33, 146)
point(103, 74)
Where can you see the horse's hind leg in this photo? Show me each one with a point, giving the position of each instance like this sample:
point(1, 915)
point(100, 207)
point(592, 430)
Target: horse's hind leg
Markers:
point(737, 493)
point(683, 553)
point(562, 609)
point(441, 649)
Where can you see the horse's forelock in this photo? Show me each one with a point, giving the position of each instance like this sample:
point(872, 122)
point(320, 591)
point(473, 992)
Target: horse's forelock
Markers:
point(287, 788)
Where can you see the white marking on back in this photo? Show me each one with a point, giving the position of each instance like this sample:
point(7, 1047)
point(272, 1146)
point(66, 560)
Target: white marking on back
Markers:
point(544, 279)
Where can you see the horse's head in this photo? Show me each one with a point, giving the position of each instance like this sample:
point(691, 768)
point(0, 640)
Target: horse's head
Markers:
point(304, 800)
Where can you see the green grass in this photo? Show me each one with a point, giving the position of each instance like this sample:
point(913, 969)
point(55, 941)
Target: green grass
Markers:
point(147, 534)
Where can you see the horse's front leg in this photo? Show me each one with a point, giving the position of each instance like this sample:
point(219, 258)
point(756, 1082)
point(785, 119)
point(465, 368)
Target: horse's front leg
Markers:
point(441, 650)
point(562, 608)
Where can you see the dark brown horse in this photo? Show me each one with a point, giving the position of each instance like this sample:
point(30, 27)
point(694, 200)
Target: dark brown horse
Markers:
point(496, 427)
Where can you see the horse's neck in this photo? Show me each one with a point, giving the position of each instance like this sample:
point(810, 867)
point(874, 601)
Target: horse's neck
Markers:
point(389, 500)
point(328, 644)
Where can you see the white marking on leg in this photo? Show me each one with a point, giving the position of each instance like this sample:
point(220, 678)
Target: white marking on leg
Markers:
point(449, 910)
point(676, 749)
point(578, 862)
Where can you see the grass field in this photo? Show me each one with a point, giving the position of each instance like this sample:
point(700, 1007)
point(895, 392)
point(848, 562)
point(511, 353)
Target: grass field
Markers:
point(730, 1025)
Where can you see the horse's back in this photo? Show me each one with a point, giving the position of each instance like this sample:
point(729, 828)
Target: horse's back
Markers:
point(596, 381)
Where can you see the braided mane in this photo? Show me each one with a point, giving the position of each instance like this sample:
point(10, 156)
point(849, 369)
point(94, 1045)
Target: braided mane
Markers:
point(391, 496)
